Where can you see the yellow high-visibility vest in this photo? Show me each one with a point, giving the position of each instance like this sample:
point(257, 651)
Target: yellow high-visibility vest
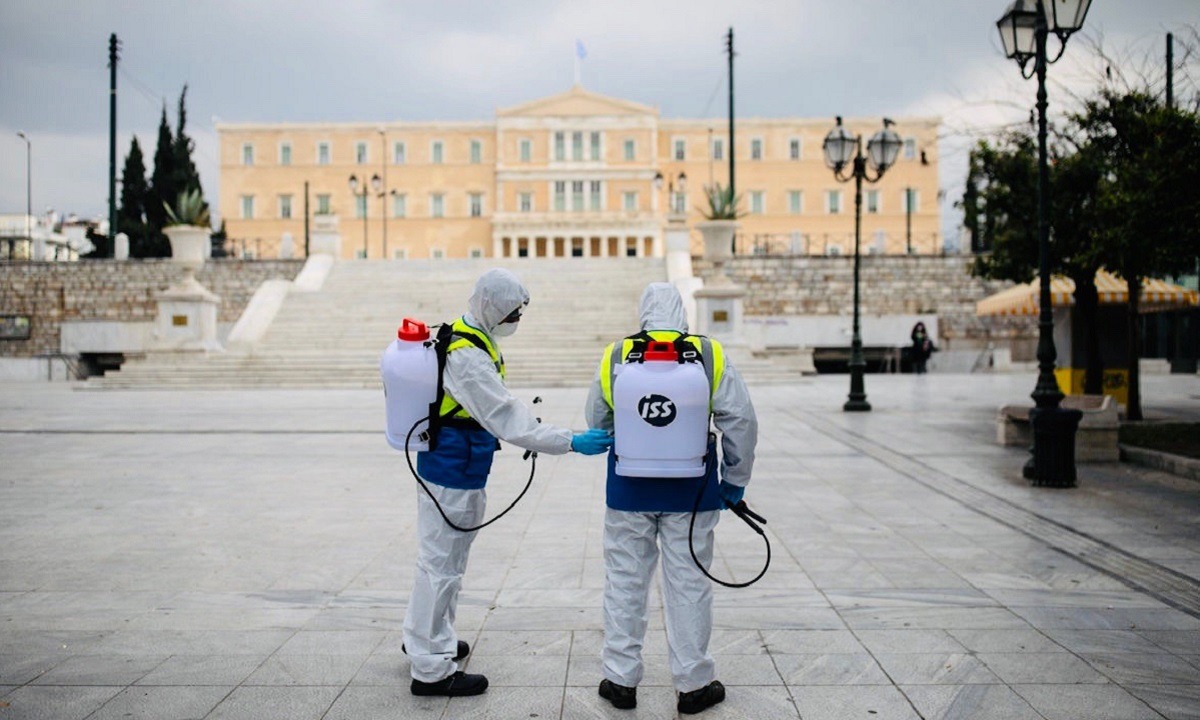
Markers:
point(711, 352)
point(468, 336)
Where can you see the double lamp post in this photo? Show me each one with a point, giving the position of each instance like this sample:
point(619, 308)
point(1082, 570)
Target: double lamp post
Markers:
point(1024, 29)
point(843, 151)
point(375, 186)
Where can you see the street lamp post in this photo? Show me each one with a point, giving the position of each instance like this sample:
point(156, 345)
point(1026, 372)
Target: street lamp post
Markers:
point(382, 191)
point(28, 194)
point(844, 150)
point(1024, 29)
point(679, 182)
point(374, 186)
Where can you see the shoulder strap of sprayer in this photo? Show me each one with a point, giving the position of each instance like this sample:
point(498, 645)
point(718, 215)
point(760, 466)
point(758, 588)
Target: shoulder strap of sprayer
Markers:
point(684, 350)
point(441, 345)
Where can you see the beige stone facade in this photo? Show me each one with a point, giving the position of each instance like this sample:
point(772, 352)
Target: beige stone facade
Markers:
point(571, 174)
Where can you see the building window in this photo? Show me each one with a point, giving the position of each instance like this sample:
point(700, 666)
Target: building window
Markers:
point(435, 152)
point(872, 202)
point(630, 150)
point(247, 207)
point(323, 205)
point(910, 148)
point(476, 152)
point(718, 149)
point(794, 148)
point(577, 146)
point(399, 153)
point(833, 202)
point(476, 204)
point(399, 205)
point(560, 146)
point(560, 196)
point(437, 254)
point(437, 207)
point(630, 202)
point(247, 154)
point(285, 154)
point(360, 153)
point(757, 202)
point(679, 202)
point(526, 202)
point(756, 149)
point(577, 195)
point(912, 200)
point(795, 202)
point(476, 253)
point(595, 197)
point(526, 150)
point(400, 254)
point(323, 153)
point(285, 207)
point(360, 206)
point(680, 149)
point(595, 146)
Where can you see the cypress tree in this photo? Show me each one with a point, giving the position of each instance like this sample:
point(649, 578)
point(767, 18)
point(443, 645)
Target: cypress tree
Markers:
point(135, 194)
point(186, 176)
point(163, 189)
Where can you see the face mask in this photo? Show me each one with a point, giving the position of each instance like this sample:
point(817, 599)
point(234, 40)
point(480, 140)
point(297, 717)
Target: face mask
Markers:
point(504, 329)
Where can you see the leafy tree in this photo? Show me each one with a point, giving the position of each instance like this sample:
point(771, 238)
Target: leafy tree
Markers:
point(1146, 202)
point(135, 193)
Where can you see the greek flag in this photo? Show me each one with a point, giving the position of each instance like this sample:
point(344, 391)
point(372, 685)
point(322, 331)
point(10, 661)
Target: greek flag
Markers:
point(580, 50)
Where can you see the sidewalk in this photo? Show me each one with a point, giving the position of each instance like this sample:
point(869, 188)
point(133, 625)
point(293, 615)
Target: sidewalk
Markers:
point(249, 555)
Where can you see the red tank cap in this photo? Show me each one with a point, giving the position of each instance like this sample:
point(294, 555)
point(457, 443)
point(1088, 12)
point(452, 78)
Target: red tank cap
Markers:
point(658, 350)
point(413, 330)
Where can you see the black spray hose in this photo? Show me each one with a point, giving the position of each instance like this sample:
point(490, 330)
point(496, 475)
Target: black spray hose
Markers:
point(749, 517)
point(413, 470)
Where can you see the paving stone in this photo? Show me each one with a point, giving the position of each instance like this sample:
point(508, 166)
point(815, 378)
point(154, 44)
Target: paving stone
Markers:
point(1096, 702)
point(155, 703)
point(1178, 702)
point(969, 702)
point(218, 670)
point(852, 703)
point(34, 702)
point(294, 703)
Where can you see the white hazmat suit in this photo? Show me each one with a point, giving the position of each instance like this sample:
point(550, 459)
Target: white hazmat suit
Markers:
point(472, 379)
point(633, 541)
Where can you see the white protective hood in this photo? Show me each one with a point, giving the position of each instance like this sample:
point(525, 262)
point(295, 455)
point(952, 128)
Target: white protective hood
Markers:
point(497, 293)
point(661, 308)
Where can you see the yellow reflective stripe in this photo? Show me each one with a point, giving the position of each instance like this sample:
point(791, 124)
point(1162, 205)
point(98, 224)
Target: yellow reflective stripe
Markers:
point(606, 368)
point(718, 364)
point(462, 328)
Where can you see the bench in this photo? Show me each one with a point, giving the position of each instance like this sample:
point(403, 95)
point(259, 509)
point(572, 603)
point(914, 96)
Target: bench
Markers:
point(1096, 440)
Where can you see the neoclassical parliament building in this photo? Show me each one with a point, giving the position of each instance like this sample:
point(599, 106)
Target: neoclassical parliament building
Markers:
point(576, 174)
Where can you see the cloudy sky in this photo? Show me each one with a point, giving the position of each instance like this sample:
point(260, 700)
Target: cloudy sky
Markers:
point(368, 60)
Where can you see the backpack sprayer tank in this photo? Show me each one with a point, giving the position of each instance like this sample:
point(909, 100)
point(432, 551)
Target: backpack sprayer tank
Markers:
point(660, 417)
point(409, 368)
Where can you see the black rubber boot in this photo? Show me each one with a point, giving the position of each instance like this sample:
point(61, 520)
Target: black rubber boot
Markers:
point(702, 699)
point(621, 697)
point(459, 684)
point(463, 650)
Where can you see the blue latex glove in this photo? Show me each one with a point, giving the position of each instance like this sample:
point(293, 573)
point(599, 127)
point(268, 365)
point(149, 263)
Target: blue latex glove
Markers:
point(731, 494)
point(592, 442)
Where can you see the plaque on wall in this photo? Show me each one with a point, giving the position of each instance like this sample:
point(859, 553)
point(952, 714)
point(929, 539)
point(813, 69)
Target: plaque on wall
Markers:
point(14, 327)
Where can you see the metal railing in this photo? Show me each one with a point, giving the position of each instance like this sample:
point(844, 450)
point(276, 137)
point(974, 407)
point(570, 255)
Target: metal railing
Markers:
point(799, 244)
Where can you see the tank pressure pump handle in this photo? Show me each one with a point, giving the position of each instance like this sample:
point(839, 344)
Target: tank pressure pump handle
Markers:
point(537, 399)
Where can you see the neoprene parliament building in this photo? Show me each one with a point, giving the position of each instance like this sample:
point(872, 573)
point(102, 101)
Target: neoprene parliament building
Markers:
point(576, 174)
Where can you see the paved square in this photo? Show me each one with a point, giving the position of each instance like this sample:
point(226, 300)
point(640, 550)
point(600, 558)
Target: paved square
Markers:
point(211, 554)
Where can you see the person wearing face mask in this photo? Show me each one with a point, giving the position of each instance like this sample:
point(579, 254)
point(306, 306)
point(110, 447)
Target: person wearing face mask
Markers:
point(476, 410)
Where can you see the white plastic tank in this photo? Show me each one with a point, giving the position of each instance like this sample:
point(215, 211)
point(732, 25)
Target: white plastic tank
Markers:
point(660, 416)
point(410, 373)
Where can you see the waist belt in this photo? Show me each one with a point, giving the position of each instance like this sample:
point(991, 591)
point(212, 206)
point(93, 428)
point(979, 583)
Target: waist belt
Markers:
point(461, 423)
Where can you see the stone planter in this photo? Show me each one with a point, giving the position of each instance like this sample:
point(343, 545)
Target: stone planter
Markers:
point(718, 238)
point(190, 245)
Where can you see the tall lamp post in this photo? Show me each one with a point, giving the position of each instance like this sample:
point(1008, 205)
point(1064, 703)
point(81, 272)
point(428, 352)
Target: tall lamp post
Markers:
point(842, 151)
point(375, 185)
point(679, 182)
point(1024, 29)
point(28, 194)
point(382, 190)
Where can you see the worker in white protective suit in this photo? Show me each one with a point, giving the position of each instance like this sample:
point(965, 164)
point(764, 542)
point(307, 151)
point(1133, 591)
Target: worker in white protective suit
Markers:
point(476, 410)
point(647, 517)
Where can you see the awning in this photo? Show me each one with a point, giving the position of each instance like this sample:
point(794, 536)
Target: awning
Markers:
point(1156, 296)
